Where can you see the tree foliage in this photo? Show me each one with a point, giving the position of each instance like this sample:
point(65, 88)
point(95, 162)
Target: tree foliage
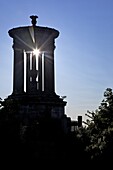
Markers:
point(99, 129)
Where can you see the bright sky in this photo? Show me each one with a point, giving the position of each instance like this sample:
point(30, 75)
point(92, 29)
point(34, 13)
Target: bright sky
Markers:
point(84, 49)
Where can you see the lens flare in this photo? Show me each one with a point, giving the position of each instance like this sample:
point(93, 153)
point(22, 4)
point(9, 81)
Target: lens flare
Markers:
point(36, 52)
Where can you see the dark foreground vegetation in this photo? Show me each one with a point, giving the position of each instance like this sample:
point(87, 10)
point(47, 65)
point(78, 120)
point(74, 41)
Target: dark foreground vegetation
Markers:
point(42, 142)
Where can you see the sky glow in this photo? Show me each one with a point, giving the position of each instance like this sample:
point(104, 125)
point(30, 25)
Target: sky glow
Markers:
point(84, 48)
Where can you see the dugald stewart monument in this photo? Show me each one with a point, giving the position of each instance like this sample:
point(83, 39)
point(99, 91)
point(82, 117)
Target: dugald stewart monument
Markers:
point(37, 125)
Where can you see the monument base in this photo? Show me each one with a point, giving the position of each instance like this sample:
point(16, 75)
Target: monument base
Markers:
point(41, 107)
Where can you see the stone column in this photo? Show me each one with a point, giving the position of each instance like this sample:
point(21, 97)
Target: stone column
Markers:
point(49, 72)
point(40, 72)
point(27, 72)
point(31, 74)
point(18, 71)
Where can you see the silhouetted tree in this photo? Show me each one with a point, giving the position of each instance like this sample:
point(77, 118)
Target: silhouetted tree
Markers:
point(99, 130)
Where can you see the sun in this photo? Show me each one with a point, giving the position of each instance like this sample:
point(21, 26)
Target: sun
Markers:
point(36, 52)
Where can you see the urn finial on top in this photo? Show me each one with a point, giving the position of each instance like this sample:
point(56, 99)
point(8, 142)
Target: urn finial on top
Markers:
point(33, 21)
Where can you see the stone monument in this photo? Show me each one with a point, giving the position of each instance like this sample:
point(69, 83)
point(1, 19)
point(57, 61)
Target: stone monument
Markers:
point(33, 73)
